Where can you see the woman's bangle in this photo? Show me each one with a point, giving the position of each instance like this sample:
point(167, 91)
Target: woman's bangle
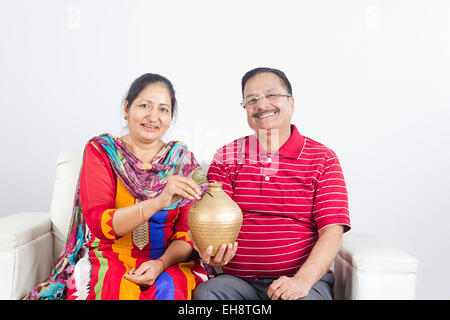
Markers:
point(141, 212)
point(162, 261)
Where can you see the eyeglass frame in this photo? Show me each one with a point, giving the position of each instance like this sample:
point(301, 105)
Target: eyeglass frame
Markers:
point(264, 96)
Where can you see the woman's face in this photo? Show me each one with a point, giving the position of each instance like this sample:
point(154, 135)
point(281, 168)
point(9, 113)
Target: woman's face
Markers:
point(150, 113)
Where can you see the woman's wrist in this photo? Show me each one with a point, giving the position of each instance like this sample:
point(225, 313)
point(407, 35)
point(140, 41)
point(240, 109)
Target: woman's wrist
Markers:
point(162, 263)
point(150, 207)
point(141, 211)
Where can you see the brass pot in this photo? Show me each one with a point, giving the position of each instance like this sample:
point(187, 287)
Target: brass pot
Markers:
point(215, 219)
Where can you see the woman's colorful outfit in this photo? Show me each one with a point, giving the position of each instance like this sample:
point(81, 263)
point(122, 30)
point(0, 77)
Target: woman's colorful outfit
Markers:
point(94, 260)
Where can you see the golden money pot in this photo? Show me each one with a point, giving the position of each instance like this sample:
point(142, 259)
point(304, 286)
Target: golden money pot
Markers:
point(215, 219)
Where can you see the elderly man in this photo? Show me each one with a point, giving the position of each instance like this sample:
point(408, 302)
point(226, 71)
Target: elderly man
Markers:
point(293, 197)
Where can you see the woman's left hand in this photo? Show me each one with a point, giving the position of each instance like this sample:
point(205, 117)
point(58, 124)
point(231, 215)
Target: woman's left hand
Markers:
point(146, 274)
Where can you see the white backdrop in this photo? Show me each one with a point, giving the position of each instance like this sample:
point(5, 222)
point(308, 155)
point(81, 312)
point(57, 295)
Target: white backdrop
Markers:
point(371, 80)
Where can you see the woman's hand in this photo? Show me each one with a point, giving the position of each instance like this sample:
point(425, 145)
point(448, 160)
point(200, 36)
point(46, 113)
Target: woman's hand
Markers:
point(223, 255)
point(179, 187)
point(146, 274)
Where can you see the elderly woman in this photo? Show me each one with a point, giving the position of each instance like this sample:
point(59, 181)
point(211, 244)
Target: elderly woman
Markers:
point(128, 237)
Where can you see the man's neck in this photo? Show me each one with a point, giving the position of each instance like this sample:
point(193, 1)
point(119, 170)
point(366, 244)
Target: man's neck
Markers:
point(271, 140)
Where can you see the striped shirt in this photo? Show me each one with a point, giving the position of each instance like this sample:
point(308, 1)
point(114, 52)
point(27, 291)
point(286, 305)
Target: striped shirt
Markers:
point(286, 198)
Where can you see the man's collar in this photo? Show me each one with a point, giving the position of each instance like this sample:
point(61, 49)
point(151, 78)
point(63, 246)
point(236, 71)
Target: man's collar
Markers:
point(292, 148)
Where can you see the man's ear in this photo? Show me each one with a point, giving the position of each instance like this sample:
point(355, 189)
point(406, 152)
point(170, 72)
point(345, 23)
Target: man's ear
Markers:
point(291, 99)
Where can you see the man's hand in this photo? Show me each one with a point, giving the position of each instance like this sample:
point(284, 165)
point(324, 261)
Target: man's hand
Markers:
point(223, 255)
point(317, 264)
point(288, 288)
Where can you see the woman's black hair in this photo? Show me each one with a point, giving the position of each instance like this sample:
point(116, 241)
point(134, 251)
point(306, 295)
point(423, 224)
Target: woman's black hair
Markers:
point(259, 70)
point(143, 81)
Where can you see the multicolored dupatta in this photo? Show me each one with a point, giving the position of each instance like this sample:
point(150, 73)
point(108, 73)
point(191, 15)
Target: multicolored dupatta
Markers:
point(143, 181)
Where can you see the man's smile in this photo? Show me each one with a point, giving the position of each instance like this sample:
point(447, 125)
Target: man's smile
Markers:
point(266, 113)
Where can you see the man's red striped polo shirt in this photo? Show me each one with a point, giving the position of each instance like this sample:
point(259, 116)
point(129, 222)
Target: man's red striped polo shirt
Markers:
point(286, 198)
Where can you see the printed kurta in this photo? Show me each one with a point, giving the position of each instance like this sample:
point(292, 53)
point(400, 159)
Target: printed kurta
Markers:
point(106, 258)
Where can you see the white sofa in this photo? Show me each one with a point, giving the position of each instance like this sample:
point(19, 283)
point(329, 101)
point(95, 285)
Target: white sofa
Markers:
point(364, 268)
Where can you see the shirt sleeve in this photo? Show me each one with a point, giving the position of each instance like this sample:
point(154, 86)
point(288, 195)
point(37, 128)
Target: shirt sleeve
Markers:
point(330, 205)
point(98, 192)
point(217, 172)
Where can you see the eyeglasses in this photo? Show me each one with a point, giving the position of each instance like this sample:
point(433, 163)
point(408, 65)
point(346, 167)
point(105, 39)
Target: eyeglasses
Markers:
point(271, 97)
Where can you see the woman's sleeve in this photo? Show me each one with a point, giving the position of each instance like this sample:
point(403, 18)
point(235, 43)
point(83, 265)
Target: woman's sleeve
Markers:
point(98, 192)
point(181, 226)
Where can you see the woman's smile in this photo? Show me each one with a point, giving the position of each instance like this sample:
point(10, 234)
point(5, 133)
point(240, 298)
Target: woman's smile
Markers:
point(150, 127)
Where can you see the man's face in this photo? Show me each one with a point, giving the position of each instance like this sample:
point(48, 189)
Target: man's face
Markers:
point(271, 113)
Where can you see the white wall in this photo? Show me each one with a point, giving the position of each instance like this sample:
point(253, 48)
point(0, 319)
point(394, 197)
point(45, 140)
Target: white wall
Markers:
point(371, 80)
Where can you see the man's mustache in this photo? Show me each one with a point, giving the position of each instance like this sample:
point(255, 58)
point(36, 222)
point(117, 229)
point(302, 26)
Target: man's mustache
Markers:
point(260, 113)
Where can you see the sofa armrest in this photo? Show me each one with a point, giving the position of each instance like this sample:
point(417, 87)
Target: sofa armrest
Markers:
point(366, 268)
point(26, 252)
